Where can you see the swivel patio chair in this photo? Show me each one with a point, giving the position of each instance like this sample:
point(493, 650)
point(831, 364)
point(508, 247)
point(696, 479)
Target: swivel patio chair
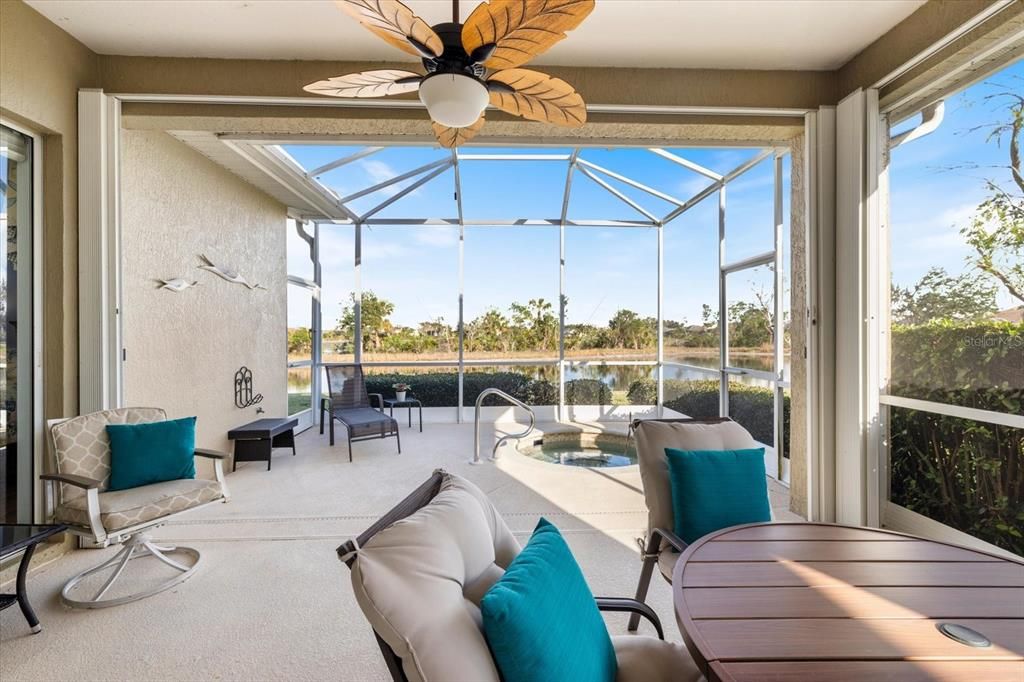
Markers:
point(349, 403)
point(419, 575)
point(662, 546)
point(78, 495)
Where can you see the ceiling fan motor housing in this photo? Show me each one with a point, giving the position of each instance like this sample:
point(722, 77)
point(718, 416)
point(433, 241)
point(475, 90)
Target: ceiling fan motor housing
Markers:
point(454, 58)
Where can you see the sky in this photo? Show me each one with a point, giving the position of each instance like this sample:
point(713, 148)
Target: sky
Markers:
point(606, 268)
point(938, 180)
point(416, 268)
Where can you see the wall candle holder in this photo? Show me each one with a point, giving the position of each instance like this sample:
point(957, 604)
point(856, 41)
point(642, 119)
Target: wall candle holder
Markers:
point(243, 389)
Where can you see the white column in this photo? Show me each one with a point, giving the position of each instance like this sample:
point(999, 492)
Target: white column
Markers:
point(100, 354)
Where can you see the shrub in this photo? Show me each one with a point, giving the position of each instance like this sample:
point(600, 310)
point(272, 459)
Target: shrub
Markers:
point(642, 392)
point(751, 406)
point(966, 474)
point(441, 389)
point(587, 392)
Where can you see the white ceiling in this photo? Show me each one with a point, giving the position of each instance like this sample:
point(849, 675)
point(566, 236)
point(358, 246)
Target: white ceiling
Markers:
point(749, 34)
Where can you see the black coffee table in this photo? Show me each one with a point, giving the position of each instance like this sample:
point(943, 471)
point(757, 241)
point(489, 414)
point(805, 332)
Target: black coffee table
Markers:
point(255, 441)
point(15, 537)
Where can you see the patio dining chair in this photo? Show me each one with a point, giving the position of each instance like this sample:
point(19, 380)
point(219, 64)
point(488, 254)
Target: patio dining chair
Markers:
point(662, 545)
point(421, 571)
point(349, 403)
point(78, 492)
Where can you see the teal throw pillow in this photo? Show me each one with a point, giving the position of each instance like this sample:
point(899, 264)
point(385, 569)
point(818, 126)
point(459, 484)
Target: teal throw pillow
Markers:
point(141, 454)
point(541, 621)
point(715, 489)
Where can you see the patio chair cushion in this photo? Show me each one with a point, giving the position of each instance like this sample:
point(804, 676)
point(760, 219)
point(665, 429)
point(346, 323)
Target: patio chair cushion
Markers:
point(123, 508)
point(365, 420)
point(715, 489)
point(648, 659)
point(419, 583)
point(653, 437)
point(541, 620)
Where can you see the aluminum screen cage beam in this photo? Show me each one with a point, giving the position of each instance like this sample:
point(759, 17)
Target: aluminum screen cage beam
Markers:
point(343, 215)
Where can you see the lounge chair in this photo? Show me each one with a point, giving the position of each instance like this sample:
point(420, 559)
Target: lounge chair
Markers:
point(420, 583)
point(349, 403)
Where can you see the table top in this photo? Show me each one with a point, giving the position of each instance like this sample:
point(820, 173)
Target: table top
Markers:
point(264, 428)
point(16, 536)
point(807, 601)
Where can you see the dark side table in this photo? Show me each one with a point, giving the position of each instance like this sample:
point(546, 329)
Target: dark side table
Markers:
point(14, 538)
point(392, 403)
point(255, 441)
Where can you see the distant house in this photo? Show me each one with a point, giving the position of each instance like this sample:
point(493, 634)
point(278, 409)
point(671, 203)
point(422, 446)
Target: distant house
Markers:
point(1015, 315)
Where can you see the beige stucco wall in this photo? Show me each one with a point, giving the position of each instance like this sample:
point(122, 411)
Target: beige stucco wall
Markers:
point(41, 71)
point(183, 348)
point(799, 447)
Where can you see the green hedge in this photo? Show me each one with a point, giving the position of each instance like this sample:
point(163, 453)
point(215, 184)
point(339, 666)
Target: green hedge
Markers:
point(966, 474)
point(441, 389)
point(751, 406)
point(587, 392)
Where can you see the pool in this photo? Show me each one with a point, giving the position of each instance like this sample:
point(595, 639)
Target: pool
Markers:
point(572, 448)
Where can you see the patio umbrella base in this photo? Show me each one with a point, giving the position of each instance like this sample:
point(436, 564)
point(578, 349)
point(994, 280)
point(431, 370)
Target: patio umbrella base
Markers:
point(136, 547)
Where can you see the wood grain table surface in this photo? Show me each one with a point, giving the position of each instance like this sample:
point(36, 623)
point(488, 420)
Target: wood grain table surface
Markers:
point(809, 602)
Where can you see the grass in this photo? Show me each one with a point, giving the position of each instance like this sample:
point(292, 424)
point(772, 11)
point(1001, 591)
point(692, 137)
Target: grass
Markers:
point(297, 402)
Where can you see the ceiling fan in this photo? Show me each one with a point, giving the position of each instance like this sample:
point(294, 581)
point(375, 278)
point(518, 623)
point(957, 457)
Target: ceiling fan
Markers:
point(497, 38)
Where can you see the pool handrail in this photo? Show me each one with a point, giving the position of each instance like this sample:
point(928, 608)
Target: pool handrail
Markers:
point(476, 422)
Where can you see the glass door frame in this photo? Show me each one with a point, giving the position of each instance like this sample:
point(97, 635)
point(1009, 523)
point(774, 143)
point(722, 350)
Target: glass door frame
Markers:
point(310, 416)
point(35, 506)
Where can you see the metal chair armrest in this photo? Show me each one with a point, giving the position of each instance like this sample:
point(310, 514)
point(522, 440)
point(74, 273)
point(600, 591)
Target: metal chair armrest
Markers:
point(626, 605)
point(72, 479)
point(92, 499)
point(668, 536)
point(380, 400)
point(219, 458)
point(210, 454)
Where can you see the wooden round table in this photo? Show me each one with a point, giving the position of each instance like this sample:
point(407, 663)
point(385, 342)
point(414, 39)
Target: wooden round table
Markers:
point(810, 602)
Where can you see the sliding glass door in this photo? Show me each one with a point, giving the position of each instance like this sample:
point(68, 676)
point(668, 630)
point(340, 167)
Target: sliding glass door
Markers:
point(16, 438)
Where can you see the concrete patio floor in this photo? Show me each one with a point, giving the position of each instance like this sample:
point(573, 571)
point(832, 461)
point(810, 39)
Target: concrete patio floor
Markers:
point(272, 601)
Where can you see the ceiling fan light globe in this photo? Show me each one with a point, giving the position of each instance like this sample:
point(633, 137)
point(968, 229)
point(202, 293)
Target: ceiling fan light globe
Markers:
point(453, 99)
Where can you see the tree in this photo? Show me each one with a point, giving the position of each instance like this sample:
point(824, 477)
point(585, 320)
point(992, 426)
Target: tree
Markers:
point(629, 330)
point(940, 296)
point(749, 325)
point(299, 340)
point(374, 313)
point(489, 331)
point(537, 324)
point(996, 231)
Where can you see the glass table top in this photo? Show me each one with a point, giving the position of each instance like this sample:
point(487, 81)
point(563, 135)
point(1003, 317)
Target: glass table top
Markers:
point(17, 535)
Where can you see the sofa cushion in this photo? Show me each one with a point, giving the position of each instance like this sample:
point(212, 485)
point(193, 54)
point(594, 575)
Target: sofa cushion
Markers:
point(141, 454)
point(419, 582)
point(541, 620)
point(715, 489)
point(123, 508)
point(647, 659)
point(653, 437)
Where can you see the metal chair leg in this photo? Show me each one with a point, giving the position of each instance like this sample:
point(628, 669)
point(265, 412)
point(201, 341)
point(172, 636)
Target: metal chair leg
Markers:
point(398, 438)
point(332, 429)
point(650, 558)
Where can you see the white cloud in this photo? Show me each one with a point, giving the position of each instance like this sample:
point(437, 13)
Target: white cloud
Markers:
point(437, 236)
